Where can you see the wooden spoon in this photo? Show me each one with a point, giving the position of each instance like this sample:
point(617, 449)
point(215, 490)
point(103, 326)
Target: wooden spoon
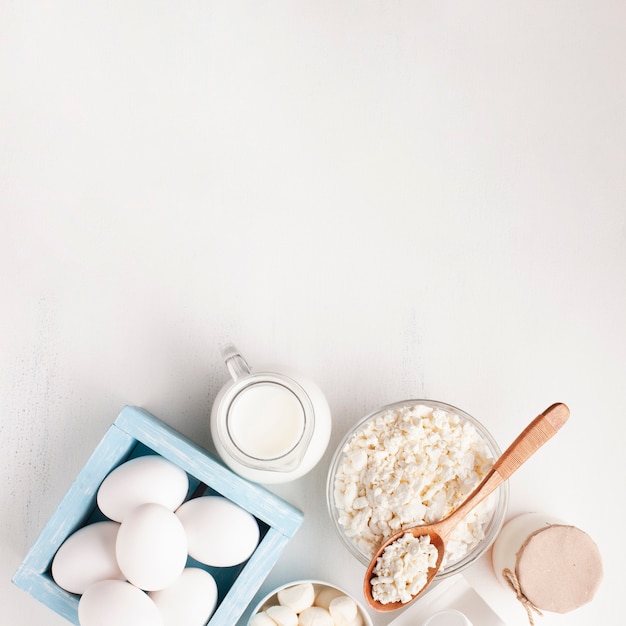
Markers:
point(542, 428)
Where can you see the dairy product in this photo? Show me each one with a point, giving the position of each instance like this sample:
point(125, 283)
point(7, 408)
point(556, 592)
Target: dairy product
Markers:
point(315, 616)
point(268, 426)
point(297, 597)
point(343, 610)
point(283, 615)
point(412, 465)
point(266, 420)
point(308, 604)
point(402, 569)
point(548, 564)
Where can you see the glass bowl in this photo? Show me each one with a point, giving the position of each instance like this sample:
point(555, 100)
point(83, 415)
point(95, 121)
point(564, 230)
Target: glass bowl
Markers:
point(494, 508)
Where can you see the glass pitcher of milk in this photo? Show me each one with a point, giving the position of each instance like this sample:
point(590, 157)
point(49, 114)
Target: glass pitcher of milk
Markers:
point(269, 426)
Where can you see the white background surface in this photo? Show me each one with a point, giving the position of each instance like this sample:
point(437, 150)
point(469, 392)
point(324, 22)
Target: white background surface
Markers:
point(401, 199)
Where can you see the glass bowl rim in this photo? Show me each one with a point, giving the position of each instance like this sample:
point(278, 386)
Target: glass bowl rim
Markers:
point(493, 527)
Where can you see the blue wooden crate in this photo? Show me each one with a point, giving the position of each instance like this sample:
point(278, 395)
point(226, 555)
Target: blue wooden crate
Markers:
point(136, 432)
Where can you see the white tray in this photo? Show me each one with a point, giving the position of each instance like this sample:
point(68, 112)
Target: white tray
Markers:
point(451, 593)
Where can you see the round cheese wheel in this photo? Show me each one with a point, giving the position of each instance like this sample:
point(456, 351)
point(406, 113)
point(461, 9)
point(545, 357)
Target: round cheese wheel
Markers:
point(559, 568)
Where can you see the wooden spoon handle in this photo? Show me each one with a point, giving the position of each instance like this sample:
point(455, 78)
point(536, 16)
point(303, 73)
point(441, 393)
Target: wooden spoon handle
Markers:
point(542, 428)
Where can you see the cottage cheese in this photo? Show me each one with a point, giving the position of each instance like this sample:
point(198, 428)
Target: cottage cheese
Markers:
point(401, 572)
point(412, 465)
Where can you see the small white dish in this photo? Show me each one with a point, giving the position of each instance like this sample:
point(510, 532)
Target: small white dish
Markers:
point(449, 617)
point(451, 594)
point(271, 599)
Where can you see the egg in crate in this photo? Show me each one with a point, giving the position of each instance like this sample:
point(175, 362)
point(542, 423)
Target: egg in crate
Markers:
point(220, 533)
point(151, 547)
point(87, 557)
point(110, 602)
point(146, 544)
point(142, 480)
point(115, 481)
point(190, 600)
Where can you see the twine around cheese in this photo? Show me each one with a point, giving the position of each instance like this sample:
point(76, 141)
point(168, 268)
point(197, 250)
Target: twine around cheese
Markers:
point(511, 579)
point(569, 552)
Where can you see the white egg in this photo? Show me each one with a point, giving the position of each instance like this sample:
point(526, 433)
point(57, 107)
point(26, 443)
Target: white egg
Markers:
point(86, 557)
point(189, 601)
point(219, 532)
point(151, 547)
point(142, 480)
point(117, 603)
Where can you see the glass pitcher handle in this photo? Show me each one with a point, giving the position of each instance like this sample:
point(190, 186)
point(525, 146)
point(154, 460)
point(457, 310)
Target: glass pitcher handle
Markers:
point(236, 364)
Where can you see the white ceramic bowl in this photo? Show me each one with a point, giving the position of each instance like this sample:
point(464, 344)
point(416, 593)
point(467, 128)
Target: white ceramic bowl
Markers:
point(271, 599)
point(501, 495)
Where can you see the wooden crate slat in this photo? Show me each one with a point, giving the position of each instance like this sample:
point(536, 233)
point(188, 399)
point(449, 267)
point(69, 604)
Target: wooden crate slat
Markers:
point(135, 425)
